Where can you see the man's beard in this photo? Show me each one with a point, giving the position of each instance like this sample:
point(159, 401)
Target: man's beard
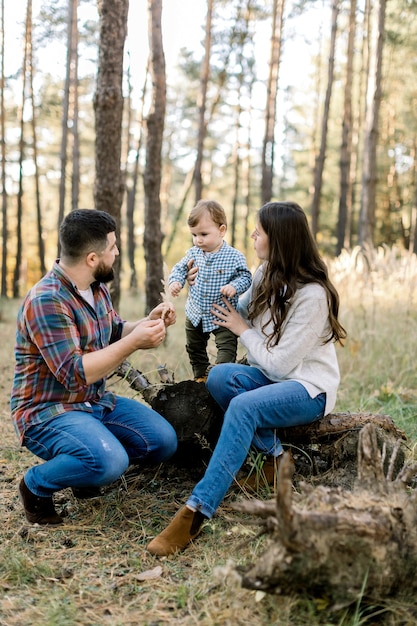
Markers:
point(103, 273)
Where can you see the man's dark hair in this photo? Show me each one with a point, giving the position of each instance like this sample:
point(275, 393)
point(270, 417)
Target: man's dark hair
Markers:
point(83, 231)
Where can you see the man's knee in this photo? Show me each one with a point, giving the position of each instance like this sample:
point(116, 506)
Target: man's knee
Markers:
point(166, 445)
point(171, 442)
point(110, 465)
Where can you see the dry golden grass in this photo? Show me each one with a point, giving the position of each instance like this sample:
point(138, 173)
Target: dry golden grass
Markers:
point(94, 570)
point(379, 310)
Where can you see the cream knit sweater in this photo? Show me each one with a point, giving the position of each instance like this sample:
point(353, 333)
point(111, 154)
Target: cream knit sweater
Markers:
point(300, 354)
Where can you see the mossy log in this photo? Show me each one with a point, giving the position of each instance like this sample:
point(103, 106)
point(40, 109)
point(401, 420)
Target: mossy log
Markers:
point(337, 544)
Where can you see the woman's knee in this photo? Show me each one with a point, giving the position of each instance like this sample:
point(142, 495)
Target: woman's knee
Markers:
point(238, 407)
point(240, 415)
point(218, 379)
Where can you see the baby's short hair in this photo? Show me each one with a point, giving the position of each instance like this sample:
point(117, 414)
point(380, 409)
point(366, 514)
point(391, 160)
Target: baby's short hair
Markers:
point(213, 208)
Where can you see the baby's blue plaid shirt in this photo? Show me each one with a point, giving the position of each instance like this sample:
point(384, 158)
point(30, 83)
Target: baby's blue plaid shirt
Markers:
point(225, 267)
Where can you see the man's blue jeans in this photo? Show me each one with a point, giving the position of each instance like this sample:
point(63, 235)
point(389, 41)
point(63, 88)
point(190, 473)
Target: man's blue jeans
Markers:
point(254, 406)
point(93, 449)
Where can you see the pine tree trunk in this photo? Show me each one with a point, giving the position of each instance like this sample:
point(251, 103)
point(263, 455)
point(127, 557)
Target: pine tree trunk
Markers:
point(19, 240)
point(41, 245)
point(153, 168)
point(268, 147)
point(413, 216)
point(186, 189)
point(373, 100)
point(345, 206)
point(75, 182)
point(108, 106)
point(65, 116)
point(319, 165)
point(202, 127)
point(131, 194)
point(4, 291)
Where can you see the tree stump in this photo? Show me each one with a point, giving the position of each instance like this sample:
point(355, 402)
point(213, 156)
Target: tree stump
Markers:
point(338, 544)
point(187, 406)
point(195, 416)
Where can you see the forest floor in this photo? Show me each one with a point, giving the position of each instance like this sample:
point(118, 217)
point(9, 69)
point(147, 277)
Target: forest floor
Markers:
point(94, 569)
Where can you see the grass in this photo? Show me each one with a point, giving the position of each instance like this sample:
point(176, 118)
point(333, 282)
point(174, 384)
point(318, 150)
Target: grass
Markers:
point(378, 308)
point(94, 570)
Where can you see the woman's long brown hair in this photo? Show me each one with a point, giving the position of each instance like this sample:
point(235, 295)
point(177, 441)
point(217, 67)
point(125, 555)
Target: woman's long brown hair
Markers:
point(294, 260)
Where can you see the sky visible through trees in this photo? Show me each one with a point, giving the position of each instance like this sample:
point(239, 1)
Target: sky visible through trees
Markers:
point(183, 22)
point(238, 103)
point(183, 28)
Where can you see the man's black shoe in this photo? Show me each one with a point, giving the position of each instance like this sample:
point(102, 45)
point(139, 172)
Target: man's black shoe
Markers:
point(86, 493)
point(38, 510)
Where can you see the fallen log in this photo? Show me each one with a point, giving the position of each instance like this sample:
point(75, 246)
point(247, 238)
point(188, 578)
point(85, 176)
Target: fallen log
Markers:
point(326, 449)
point(333, 425)
point(338, 544)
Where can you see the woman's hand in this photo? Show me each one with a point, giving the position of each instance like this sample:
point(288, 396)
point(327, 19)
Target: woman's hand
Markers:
point(192, 272)
point(229, 318)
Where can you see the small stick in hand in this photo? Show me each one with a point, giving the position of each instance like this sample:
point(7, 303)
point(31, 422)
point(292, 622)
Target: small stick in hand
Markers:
point(165, 295)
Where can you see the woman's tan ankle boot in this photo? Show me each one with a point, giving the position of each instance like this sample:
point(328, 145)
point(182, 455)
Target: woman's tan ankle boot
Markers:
point(185, 527)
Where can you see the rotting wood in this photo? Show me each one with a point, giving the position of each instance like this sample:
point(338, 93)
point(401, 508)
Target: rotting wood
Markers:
point(336, 543)
point(352, 536)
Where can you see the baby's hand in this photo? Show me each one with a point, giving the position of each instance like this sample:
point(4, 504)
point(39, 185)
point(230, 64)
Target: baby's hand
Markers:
point(228, 290)
point(175, 288)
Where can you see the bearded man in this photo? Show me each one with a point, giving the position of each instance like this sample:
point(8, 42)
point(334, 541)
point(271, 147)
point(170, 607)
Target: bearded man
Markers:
point(68, 340)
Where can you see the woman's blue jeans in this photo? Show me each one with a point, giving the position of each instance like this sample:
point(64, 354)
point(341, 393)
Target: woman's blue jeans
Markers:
point(93, 449)
point(254, 406)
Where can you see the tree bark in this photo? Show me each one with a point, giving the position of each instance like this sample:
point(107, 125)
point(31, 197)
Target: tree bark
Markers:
point(373, 101)
point(131, 193)
point(19, 241)
point(5, 242)
point(268, 146)
point(65, 116)
point(186, 189)
point(345, 202)
point(108, 106)
point(413, 216)
point(325, 447)
point(75, 179)
point(319, 165)
point(153, 168)
point(41, 245)
point(202, 127)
